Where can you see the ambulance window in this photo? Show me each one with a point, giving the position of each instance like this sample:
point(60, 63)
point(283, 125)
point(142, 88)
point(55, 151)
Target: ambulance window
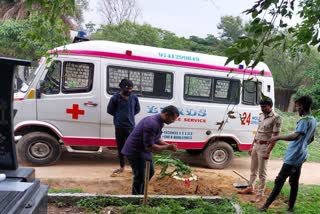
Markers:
point(197, 87)
point(211, 89)
point(168, 88)
point(251, 93)
point(221, 89)
point(146, 83)
point(51, 84)
point(77, 77)
point(226, 91)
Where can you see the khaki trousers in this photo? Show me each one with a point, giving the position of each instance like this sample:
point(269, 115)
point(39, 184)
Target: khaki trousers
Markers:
point(258, 165)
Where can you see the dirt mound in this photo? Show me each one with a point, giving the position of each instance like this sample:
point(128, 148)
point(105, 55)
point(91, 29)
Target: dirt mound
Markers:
point(213, 184)
point(209, 183)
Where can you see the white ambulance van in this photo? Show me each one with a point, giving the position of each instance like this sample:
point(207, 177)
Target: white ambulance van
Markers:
point(65, 101)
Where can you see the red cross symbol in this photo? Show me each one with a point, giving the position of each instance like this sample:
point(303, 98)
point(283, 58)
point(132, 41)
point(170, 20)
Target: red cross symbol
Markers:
point(75, 111)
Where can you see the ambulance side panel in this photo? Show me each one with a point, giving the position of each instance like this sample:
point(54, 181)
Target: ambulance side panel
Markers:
point(199, 119)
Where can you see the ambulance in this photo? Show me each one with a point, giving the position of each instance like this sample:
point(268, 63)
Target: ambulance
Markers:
point(64, 102)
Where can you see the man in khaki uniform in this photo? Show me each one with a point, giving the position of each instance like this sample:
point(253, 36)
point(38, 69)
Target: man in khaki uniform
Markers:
point(269, 126)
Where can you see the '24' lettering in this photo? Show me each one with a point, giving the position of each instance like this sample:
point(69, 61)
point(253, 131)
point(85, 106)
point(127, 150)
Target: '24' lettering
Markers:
point(245, 118)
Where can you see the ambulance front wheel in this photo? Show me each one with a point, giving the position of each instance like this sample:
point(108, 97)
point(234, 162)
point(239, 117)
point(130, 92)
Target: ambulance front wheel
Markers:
point(218, 155)
point(39, 148)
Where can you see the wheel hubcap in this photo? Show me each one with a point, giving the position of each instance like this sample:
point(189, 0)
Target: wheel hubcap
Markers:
point(40, 150)
point(219, 156)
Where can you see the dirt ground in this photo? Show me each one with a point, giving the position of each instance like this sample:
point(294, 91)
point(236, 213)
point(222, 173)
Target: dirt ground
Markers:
point(92, 173)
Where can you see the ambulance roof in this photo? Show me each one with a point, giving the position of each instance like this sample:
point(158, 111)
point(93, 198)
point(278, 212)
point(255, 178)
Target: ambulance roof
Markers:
point(157, 55)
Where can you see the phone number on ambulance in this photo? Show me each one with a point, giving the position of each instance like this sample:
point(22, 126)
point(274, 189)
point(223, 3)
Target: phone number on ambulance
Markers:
point(177, 56)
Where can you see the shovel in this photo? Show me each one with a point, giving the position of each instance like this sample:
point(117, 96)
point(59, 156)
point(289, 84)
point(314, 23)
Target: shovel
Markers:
point(146, 183)
point(240, 184)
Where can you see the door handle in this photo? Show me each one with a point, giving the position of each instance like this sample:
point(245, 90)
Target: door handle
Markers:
point(90, 104)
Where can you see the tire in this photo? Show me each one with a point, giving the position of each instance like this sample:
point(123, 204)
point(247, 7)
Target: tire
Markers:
point(39, 148)
point(194, 151)
point(218, 155)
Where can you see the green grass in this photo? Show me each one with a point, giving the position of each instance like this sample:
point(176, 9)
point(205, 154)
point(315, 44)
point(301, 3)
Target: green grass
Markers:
point(186, 206)
point(157, 206)
point(289, 121)
point(65, 191)
point(308, 201)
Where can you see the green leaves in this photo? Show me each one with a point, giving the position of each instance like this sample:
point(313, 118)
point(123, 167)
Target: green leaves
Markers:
point(231, 28)
point(166, 161)
point(263, 33)
point(45, 28)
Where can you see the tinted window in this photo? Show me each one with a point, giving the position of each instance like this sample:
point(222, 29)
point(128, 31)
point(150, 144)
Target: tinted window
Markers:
point(146, 83)
point(251, 93)
point(211, 89)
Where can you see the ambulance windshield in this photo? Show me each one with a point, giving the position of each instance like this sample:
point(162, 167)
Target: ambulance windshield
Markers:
point(24, 76)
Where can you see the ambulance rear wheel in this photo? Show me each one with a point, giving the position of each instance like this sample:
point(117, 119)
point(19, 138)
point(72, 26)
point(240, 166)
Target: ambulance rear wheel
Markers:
point(218, 155)
point(39, 148)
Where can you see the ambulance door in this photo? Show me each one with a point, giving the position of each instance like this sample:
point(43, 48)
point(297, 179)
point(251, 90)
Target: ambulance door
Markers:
point(69, 99)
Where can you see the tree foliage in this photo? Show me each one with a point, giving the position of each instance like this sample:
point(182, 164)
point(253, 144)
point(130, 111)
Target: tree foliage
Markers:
point(21, 39)
point(270, 29)
point(45, 27)
point(269, 15)
point(10, 42)
point(38, 25)
point(311, 85)
point(231, 28)
point(145, 34)
point(71, 12)
point(119, 11)
point(288, 69)
point(129, 32)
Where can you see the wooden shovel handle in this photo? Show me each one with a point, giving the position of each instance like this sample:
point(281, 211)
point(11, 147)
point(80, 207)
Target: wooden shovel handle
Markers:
point(146, 183)
point(238, 173)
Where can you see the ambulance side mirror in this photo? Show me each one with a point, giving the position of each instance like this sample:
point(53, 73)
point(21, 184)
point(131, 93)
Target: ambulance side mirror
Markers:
point(40, 89)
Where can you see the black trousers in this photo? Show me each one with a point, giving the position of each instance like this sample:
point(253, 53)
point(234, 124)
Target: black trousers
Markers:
point(121, 136)
point(293, 172)
point(138, 165)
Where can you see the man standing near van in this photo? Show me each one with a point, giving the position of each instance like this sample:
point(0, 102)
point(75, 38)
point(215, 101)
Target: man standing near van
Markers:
point(123, 106)
point(144, 140)
point(269, 126)
point(296, 153)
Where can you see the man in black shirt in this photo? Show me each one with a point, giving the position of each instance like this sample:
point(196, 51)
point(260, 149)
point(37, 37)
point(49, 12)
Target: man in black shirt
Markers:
point(123, 106)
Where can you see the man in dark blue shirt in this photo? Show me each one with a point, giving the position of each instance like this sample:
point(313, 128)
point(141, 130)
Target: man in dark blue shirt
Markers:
point(296, 153)
point(123, 106)
point(145, 139)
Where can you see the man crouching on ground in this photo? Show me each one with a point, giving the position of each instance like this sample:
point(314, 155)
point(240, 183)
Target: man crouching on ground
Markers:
point(145, 139)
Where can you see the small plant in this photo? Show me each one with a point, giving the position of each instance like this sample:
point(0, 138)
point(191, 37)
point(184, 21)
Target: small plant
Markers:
point(60, 204)
point(167, 161)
